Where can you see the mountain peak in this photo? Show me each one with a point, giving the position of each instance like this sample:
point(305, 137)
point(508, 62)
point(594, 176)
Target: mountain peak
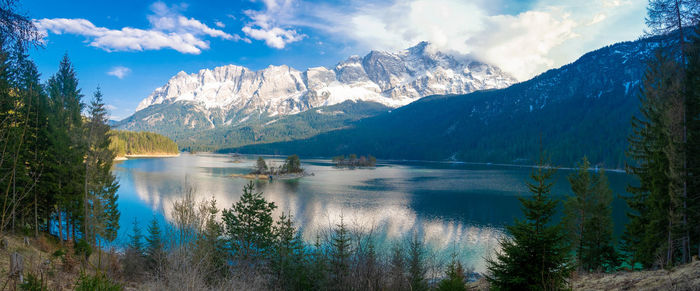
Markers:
point(390, 78)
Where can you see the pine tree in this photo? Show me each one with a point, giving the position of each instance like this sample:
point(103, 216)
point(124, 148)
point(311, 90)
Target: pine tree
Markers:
point(416, 263)
point(261, 166)
point(397, 271)
point(535, 255)
point(210, 245)
point(649, 235)
point(587, 219)
point(290, 259)
point(101, 214)
point(134, 256)
point(598, 249)
point(340, 257)
point(136, 239)
point(455, 279)
point(319, 266)
point(154, 249)
point(693, 144)
point(66, 148)
point(248, 225)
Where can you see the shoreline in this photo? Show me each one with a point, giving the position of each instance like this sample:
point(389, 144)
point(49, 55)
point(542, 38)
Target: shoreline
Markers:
point(126, 157)
point(270, 177)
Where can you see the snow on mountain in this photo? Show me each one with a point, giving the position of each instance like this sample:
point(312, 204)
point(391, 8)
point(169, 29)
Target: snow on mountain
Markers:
point(390, 78)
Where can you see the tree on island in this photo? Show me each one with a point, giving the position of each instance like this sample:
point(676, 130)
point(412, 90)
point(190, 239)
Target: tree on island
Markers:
point(292, 165)
point(353, 161)
point(261, 166)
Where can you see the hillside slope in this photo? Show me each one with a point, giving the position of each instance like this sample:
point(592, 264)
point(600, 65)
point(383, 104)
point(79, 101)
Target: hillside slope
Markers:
point(583, 108)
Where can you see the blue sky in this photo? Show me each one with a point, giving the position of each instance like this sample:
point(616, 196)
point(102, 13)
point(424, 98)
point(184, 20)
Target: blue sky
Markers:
point(129, 48)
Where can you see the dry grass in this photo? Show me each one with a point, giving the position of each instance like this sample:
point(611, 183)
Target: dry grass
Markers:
point(58, 273)
point(686, 277)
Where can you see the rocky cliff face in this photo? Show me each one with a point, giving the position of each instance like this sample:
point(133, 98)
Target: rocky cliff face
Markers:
point(232, 94)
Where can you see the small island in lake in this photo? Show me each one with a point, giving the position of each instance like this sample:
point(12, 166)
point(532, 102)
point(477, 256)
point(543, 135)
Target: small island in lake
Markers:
point(291, 169)
point(352, 161)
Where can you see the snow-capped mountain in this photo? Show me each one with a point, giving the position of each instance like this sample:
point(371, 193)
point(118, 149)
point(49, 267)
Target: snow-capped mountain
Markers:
point(232, 94)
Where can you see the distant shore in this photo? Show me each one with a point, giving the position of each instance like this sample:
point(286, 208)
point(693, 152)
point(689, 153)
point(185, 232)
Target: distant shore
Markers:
point(126, 157)
point(271, 177)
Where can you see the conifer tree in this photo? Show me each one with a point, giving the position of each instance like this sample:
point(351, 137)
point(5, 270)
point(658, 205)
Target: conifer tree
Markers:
point(290, 259)
point(455, 279)
point(261, 166)
point(340, 252)
point(693, 144)
point(535, 255)
point(134, 256)
point(587, 219)
point(397, 269)
point(154, 250)
point(66, 149)
point(100, 186)
point(248, 225)
point(649, 235)
point(416, 263)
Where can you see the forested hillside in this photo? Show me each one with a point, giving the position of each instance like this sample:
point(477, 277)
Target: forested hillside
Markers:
point(125, 143)
point(258, 129)
point(583, 108)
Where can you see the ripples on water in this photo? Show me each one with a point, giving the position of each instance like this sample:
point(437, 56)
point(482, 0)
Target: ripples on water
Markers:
point(454, 207)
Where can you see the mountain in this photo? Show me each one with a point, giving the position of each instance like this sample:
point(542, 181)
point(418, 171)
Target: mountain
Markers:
point(230, 96)
point(583, 108)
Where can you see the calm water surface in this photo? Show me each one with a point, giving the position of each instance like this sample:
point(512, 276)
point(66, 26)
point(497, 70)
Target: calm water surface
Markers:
point(453, 206)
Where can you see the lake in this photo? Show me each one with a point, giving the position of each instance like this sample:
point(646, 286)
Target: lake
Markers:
point(455, 207)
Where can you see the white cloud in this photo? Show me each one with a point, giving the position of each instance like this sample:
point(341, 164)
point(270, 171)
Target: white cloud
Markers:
point(119, 72)
point(219, 24)
point(549, 34)
point(110, 107)
point(169, 29)
point(267, 24)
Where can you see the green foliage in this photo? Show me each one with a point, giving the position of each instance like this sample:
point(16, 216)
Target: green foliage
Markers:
point(535, 255)
point(416, 264)
point(210, 245)
point(82, 249)
point(124, 143)
point(353, 161)
point(290, 261)
point(196, 135)
point(588, 221)
point(97, 282)
point(292, 165)
point(647, 233)
point(249, 226)
point(101, 214)
point(154, 249)
point(32, 283)
point(260, 166)
point(693, 139)
point(339, 257)
point(455, 280)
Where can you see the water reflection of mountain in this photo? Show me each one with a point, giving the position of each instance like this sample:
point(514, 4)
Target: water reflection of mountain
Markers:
point(452, 208)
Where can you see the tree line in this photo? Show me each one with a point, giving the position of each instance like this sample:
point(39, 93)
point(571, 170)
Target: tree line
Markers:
point(664, 218)
point(249, 248)
point(291, 165)
point(352, 161)
point(124, 143)
point(55, 159)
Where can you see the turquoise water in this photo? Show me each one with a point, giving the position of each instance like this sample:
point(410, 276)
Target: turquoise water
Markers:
point(455, 207)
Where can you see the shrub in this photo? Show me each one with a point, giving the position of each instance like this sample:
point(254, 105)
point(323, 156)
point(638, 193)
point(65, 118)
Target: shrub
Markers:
point(96, 283)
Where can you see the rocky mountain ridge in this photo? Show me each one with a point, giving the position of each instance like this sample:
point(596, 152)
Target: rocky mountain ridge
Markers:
point(232, 94)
